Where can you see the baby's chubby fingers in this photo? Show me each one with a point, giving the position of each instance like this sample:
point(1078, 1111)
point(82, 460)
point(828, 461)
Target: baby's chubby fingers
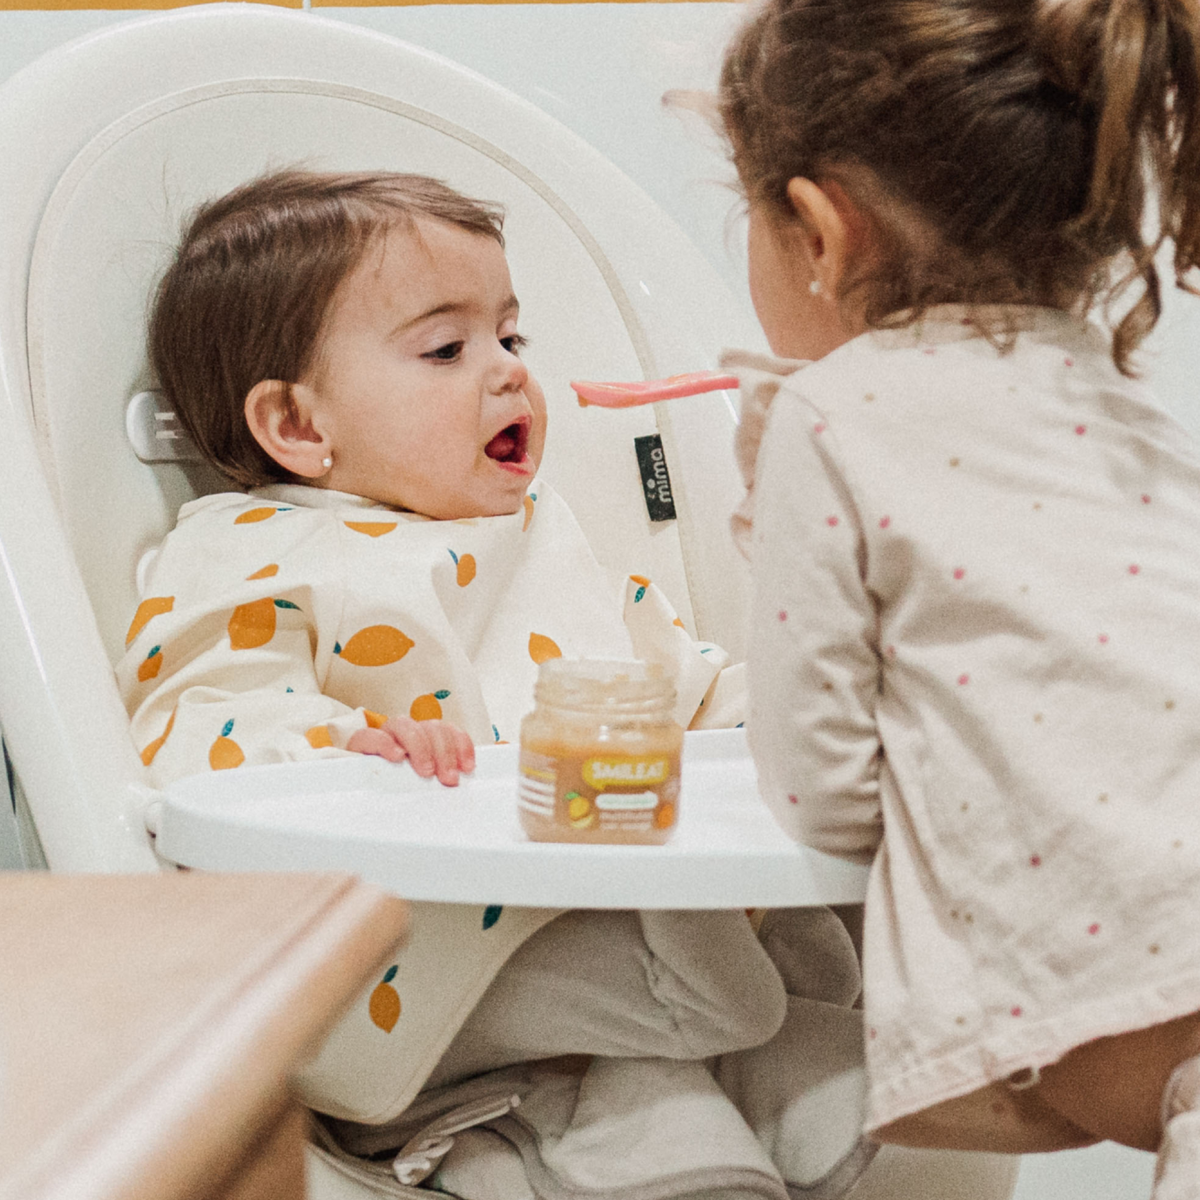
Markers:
point(376, 741)
point(434, 747)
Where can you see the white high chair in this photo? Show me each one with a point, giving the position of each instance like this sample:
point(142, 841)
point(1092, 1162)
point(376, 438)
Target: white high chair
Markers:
point(106, 144)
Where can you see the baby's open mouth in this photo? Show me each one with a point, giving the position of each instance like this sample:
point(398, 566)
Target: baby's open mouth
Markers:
point(510, 444)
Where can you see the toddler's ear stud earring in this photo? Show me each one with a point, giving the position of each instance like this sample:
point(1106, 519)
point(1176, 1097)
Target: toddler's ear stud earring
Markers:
point(327, 462)
point(814, 287)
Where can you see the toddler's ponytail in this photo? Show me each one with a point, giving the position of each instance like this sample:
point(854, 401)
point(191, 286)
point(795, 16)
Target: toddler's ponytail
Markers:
point(1137, 64)
point(1004, 152)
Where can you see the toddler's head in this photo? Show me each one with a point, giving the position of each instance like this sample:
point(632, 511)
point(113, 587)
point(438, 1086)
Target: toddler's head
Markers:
point(986, 151)
point(355, 332)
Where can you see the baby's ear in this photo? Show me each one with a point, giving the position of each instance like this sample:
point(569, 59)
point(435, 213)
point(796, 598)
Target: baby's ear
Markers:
point(284, 420)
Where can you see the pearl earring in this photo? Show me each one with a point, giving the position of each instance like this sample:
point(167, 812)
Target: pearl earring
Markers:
point(327, 462)
point(814, 287)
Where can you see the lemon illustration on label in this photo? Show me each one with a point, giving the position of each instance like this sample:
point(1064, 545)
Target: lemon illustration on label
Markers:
point(318, 737)
point(580, 811)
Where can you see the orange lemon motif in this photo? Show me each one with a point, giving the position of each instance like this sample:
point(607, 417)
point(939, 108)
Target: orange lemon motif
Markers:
point(428, 707)
point(318, 737)
point(252, 624)
point(225, 753)
point(266, 572)
point(152, 606)
point(529, 503)
point(542, 648)
point(150, 665)
point(371, 528)
point(254, 514)
point(665, 817)
point(580, 811)
point(155, 746)
point(466, 568)
point(384, 1004)
point(375, 646)
point(374, 720)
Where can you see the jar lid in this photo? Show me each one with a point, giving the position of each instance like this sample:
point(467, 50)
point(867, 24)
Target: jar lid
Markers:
point(605, 684)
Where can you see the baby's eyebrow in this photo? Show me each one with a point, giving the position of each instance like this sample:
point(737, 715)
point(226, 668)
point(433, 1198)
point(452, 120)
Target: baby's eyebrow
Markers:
point(510, 305)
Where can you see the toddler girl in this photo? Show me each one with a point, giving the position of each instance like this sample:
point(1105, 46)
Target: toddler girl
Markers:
point(976, 545)
point(346, 348)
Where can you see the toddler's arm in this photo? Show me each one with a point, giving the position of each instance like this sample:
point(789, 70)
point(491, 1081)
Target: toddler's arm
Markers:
point(813, 660)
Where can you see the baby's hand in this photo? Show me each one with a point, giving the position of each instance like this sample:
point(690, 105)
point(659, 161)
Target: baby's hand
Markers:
point(432, 747)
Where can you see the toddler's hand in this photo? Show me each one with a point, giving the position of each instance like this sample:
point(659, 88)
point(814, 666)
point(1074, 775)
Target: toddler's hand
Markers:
point(432, 747)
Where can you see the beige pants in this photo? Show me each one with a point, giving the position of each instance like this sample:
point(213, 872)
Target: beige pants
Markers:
point(684, 985)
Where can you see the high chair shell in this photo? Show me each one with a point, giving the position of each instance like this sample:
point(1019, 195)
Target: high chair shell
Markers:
point(106, 145)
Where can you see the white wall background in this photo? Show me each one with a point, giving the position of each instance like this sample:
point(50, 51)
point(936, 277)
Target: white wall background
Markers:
point(601, 69)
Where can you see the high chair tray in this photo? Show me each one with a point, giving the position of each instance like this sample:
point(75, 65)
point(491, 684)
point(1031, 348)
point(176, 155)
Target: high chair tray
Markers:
point(424, 841)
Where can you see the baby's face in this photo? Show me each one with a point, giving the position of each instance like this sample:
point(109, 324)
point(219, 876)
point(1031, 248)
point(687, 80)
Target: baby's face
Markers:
point(431, 409)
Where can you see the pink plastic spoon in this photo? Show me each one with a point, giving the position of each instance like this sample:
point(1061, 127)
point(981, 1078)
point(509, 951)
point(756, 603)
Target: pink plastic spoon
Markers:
point(647, 391)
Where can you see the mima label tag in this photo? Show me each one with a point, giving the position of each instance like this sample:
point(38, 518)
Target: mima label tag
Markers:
point(656, 480)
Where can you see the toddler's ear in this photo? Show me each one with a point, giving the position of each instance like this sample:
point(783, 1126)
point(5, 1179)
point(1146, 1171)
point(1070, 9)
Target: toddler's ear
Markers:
point(285, 421)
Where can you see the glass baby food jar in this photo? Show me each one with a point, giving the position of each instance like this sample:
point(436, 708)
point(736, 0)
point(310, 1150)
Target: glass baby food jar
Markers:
point(600, 754)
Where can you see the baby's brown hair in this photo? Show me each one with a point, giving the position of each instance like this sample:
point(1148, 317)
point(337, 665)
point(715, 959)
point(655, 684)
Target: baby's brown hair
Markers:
point(1002, 150)
point(246, 296)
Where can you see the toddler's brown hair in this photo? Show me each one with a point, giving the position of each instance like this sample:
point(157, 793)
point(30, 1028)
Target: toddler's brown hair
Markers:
point(1003, 150)
point(246, 295)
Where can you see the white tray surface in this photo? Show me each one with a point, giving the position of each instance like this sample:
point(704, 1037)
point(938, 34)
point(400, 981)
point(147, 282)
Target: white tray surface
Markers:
point(424, 841)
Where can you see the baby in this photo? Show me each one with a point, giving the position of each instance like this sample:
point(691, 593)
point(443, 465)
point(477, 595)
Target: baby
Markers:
point(346, 348)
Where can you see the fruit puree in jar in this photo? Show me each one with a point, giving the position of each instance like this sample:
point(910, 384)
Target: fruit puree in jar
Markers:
point(600, 754)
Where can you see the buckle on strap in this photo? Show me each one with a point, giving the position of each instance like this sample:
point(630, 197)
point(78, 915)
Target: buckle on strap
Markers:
point(421, 1155)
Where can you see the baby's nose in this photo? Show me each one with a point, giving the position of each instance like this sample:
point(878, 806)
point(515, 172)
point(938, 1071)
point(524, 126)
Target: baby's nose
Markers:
point(511, 373)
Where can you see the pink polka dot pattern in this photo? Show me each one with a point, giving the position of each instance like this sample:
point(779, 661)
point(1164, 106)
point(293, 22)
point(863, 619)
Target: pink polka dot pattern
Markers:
point(1094, 928)
point(1070, 362)
point(1016, 1010)
point(793, 798)
point(1081, 430)
point(1134, 569)
point(1145, 498)
point(963, 680)
point(1103, 639)
point(959, 572)
point(831, 521)
point(1035, 860)
point(782, 615)
point(884, 522)
point(819, 427)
